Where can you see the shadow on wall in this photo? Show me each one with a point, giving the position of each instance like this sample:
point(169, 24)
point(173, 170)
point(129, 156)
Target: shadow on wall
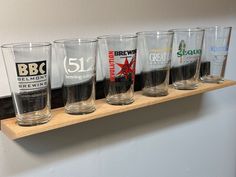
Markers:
point(80, 139)
point(120, 127)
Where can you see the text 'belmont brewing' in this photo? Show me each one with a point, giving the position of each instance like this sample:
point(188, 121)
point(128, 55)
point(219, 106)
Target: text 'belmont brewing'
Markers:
point(28, 67)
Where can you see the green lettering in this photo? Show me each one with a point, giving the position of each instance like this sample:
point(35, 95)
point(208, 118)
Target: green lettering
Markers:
point(183, 52)
point(180, 53)
point(190, 52)
point(199, 51)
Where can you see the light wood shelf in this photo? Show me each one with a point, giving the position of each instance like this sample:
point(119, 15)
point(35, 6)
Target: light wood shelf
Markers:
point(61, 119)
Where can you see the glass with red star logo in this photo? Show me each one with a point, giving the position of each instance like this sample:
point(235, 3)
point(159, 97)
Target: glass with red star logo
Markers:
point(154, 55)
point(118, 57)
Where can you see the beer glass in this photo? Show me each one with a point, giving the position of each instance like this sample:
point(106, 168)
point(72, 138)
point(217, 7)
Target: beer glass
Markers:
point(118, 57)
point(215, 52)
point(186, 57)
point(77, 61)
point(28, 68)
point(154, 54)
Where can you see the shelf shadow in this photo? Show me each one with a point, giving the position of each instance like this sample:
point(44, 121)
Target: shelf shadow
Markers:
point(142, 121)
point(94, 135)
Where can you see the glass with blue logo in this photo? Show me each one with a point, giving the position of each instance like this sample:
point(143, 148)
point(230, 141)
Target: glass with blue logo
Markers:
point(186, 58)
point(215, 53)
point(28, 69)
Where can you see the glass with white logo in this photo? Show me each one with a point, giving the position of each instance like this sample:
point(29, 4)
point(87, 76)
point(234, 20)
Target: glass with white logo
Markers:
point(77, 61)
point(154, 54)
point(186, 58)
point(28, 68)
point(118, 57)
point(215, 52)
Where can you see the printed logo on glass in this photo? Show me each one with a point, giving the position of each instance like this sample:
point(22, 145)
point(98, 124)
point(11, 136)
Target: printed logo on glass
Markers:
point(32, 75)
point(122, 65)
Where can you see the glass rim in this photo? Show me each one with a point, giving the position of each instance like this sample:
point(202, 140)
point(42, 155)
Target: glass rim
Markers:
point(217, 27)
point(157, 32)
point(75, 40)
point(187, 29)
point(26, 45)
point(118, 36)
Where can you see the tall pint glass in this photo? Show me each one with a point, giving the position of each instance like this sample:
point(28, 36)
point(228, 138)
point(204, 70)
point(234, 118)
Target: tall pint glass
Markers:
point(154, 54)
point(215, 53)
point(77, 61)
point(28, 69)
point(118, 58)
point(186, 57)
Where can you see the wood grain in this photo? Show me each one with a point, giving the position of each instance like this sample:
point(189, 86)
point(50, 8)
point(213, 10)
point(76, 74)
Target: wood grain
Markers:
point(61, 119)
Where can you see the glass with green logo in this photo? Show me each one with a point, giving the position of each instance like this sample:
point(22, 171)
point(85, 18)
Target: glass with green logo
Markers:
point(118, 57)
point(186, 58)
point(154, 55)
point(28, 69)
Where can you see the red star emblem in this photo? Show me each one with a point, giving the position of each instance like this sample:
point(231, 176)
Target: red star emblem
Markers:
point(126, 68)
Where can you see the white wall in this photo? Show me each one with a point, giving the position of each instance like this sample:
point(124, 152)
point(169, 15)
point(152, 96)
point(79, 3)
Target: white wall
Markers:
point(192, 137)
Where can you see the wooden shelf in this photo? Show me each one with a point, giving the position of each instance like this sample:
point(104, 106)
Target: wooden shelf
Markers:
point(61, 119)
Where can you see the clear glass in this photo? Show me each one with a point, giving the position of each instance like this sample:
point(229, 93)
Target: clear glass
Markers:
point(154, 55)
point(77, 61)
point(186, 58)
point(118, 58)
point(28, 68)
point(215, 52)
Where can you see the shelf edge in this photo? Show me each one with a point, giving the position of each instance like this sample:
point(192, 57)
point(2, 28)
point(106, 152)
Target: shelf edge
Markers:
point(7, 124)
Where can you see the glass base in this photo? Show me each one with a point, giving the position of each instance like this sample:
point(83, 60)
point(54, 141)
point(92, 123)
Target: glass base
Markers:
point(185, 85)
point(79, 109)
point(154, 92)
point(32, 119)
point(212, 79)
point(119, 99)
